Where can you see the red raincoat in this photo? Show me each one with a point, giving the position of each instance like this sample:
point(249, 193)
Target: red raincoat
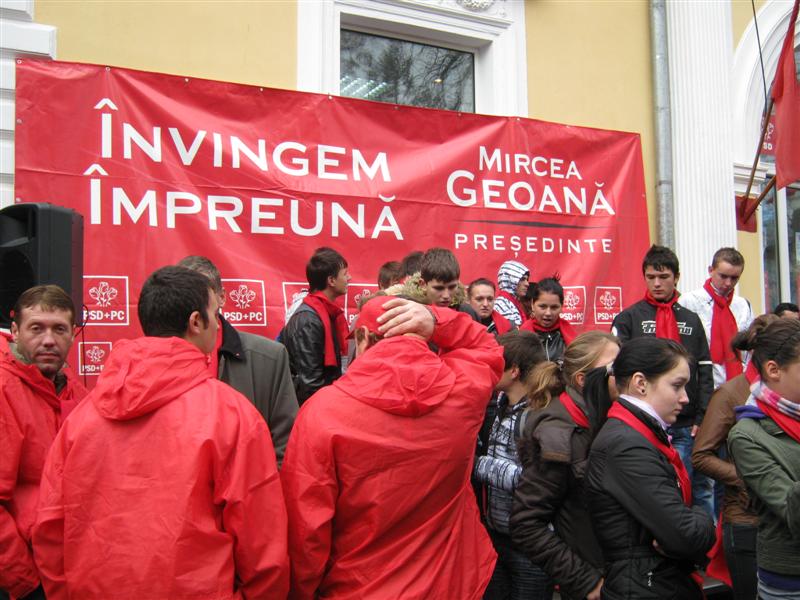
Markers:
point(30, 415)
point(162, 484)
point(377, 472)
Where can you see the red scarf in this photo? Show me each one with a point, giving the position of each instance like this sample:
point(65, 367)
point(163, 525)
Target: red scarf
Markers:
point(566, 329)
point(666, 325)
point(723, 330)
point(515, 301)
point(618, 411)
point(501, 324)
point(327, 311)
point(574, 411)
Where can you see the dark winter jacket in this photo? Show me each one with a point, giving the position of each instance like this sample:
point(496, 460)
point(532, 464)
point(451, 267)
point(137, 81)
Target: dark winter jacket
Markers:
point(554, 452)
point(304, 338)
point(639, 320)
point(634, 501)
point(258, 368)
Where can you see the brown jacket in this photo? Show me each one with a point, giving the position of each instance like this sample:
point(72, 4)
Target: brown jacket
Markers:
point(713, 434)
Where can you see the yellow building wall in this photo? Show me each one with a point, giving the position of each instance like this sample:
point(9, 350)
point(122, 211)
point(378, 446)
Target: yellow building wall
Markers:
point(237, 41)
point(751, 285)
point(589, 64)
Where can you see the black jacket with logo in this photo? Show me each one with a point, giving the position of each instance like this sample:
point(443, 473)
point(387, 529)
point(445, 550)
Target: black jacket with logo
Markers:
point(639, 320)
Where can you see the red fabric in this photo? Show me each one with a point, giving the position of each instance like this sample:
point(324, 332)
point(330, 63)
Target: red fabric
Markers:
point(30, 416)
point(501, 324)
point(523, 314)
point(666, 324)
point(718, 566)
point(567, 330)
point(377, 471)
point(327, 310)
point(786, 94)
point(163, 484)
point(723, 330)
point(789, 425)
point(576, 413)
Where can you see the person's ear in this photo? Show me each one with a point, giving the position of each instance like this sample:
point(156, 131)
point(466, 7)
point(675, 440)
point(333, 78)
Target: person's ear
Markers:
point(638, 383)
point(14, 331)
point(580, 379)
point(195, 325)
point(362, 340)
point(771, 371)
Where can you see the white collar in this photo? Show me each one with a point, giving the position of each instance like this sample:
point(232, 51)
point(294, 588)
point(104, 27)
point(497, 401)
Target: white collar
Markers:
point(646, 407)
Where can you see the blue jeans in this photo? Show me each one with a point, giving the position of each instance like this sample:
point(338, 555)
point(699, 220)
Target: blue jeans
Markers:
point(702, 486)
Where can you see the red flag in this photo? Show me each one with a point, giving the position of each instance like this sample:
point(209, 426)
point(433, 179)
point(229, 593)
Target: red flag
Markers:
point(786, 94)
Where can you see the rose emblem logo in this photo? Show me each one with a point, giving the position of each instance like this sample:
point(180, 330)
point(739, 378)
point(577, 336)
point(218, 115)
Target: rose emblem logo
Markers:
point(363, 294)
point(571, 300)
point(103, 293)
point(608, 300)
point(95, 354)
point(243, 296)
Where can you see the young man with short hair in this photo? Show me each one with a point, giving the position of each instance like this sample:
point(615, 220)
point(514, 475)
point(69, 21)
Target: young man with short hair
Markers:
point(481, 295)
point(723, 313)
point(163, 482)
point(512, 284)
point(253, 365)
point(377, 471)
point(787, 310)
point(316, 334)
point(36, 394)
point(390, 274)
point(660, 314)
point(439, 281)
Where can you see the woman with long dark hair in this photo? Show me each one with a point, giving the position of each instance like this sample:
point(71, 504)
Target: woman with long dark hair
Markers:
point(553, 449)
point(765, 444)
point(638, 491)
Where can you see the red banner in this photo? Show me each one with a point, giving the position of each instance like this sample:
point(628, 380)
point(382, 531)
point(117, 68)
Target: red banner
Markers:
point(256, 179)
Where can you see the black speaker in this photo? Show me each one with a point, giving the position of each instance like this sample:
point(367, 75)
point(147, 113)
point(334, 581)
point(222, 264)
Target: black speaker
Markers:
point(40, 244)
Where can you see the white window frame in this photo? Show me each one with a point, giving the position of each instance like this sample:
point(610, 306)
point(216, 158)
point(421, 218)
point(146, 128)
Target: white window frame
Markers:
point(497, 38)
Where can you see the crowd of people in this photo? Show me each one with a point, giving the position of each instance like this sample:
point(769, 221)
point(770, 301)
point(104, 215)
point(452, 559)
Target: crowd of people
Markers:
point(459, 441)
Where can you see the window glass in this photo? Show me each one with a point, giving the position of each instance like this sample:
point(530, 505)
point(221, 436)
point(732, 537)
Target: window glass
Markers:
point(793, 235)
point(772, 282)
point(374, 67)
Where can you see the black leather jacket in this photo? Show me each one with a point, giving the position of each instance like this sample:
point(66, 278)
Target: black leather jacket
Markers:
point(634, 500)
point(304, 338)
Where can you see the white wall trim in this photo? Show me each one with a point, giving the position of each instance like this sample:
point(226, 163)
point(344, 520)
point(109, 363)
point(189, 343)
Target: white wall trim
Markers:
point(747, 86)
point(497, 37)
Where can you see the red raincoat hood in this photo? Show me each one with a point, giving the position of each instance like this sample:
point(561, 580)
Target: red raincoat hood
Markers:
point(400, 376)
point(143, 375)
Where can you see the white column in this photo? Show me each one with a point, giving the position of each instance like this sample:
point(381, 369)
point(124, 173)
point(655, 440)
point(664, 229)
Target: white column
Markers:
point(700, 59)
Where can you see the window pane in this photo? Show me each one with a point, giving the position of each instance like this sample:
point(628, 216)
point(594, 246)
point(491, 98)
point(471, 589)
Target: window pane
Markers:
point(378, 68)
point(770, 241)
point(793, 235)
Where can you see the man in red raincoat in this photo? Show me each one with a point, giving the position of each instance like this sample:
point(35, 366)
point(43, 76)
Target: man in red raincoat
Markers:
point(377, 470)
point(163, 482)
point(35, 396)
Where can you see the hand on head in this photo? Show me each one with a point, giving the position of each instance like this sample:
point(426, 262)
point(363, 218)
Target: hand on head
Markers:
point(406, 317)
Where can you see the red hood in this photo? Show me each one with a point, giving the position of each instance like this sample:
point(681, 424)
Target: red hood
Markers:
point(143, 375)
point(31, 376)
point(400, 376)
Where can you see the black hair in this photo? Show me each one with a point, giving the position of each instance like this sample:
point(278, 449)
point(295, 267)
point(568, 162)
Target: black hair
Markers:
point(661, 258)
point(522, 349)
point(480, 281)
point(169, 297)
point(411, 262)
point(204, 266)
point(650, 356)
point(784, 306)
point(770, 337)
point(439, 264)
point(324, 263)
point(550, 285)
